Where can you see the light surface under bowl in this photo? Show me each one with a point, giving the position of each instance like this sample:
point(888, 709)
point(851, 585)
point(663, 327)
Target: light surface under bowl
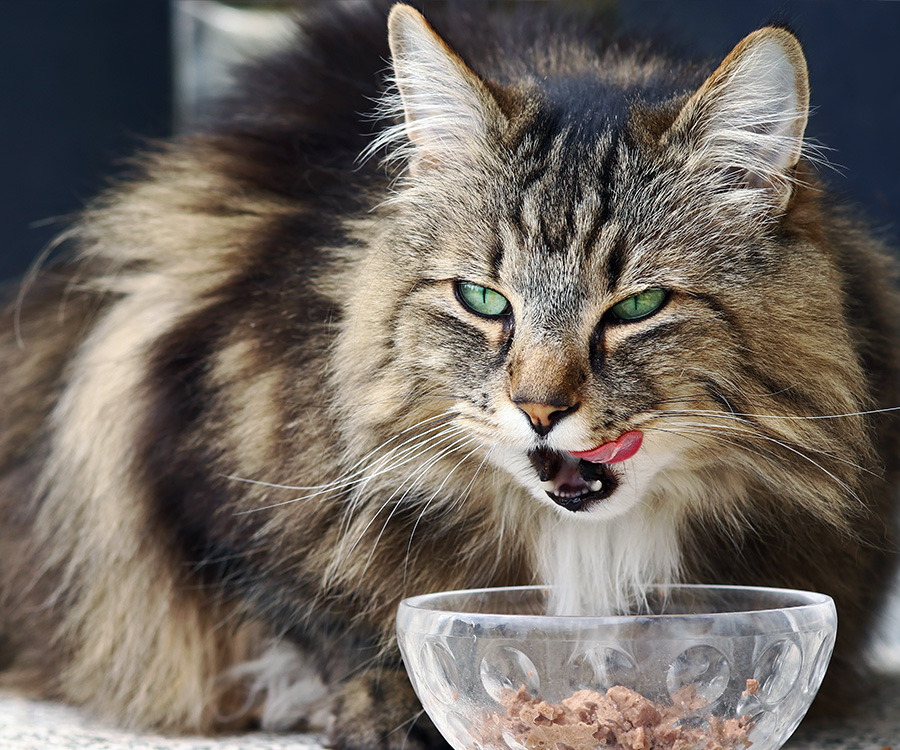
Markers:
point(708, 662)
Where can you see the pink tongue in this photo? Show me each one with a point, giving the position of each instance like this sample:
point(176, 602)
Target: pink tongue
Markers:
point(618, 450)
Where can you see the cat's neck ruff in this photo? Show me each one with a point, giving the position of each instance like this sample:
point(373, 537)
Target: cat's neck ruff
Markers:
point(603, 566)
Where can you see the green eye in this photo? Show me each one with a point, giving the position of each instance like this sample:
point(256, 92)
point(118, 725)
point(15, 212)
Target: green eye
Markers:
point(481, 300)
point(639, 305)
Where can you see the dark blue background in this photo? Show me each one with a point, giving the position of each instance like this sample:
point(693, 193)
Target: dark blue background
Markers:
point(82, 81)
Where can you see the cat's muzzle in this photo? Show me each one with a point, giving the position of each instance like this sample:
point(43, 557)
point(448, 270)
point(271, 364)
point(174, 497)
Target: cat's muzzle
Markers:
point(572, 483)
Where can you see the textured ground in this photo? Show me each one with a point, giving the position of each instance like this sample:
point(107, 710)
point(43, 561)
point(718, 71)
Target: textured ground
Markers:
point(26, 725)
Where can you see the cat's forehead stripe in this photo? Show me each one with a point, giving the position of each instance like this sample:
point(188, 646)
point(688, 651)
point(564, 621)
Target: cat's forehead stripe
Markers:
point(562, 215)
point(615, 262)
point(565, 197)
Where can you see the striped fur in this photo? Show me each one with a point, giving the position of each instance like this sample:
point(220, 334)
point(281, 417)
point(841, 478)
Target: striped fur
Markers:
point(250, 411)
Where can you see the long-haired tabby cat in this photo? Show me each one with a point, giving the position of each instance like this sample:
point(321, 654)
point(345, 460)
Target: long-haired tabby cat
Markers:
point(562, 311)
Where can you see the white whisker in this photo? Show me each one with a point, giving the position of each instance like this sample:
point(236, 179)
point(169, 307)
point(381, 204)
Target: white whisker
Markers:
point(360, 478)
point(411, 453)
point(361, 462)
point(428, 502)
point(756, 432)
point(712, 429)
point(424, 449)
point(867, 412)
point(413, 481)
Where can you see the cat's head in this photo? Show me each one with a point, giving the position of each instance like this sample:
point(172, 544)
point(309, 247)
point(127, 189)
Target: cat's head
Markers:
point(588, 269)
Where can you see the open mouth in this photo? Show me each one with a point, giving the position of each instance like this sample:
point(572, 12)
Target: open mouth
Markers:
point(570, 482)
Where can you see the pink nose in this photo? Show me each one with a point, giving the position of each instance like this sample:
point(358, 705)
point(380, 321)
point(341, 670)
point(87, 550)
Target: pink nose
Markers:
point(544, 416)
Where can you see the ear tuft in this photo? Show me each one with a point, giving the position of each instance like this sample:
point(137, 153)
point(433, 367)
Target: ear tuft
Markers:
point(446, 109)
point(751, 113)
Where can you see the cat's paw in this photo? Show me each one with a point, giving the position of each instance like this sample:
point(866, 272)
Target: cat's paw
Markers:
point(380, 711)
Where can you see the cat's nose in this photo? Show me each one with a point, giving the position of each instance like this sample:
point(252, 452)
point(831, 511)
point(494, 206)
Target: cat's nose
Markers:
point(544, 416)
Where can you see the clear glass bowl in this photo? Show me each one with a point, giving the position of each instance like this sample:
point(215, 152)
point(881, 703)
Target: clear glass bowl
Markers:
point(704, 667)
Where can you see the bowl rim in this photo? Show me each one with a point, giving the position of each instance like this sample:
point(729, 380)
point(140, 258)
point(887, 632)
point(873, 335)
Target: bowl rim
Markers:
point(812, 600)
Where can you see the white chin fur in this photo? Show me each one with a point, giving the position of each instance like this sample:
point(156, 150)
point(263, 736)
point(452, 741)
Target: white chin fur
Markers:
point(601, 560)
point(604, 566)
point(636, 476)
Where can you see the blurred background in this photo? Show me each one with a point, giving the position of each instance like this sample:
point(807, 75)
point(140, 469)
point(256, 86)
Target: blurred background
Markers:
point(84, 82)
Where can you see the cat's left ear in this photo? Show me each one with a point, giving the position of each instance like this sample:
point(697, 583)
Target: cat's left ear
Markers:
point(448, 111)
point(750, 114)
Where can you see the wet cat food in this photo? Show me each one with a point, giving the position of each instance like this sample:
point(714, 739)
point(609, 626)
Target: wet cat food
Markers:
point(620, 719)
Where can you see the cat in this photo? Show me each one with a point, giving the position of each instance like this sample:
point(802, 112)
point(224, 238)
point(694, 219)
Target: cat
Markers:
point(562, 310)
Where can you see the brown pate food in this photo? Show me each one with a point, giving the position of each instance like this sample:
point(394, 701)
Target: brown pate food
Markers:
point(620, 719)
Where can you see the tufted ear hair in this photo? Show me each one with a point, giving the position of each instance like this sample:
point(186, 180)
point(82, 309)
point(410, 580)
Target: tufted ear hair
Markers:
point(447, 110)
point(750, 114)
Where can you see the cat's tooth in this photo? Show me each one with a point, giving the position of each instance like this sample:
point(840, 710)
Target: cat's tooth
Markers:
point(548, 486)
point(597, 485)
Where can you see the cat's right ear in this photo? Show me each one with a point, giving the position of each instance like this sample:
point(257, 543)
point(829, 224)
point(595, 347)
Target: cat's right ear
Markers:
point(447, 110)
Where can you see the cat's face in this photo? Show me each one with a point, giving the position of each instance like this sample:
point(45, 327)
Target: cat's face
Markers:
point(587, 300)
point(562, 326)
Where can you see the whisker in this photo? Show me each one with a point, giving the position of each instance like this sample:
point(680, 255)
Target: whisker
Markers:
point(423, 450)
point(411, 454)
point(446, 415)
point(767, 455)
point(795, 417)
point(412, 723)
point(756, 431)
point(425, 507)
point(717, 429)
point(413, 480)
point(361, 479)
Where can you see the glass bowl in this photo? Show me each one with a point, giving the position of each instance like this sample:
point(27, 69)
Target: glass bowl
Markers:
point(701, 667)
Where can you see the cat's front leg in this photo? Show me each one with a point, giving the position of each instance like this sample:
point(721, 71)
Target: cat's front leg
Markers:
point(378, 710)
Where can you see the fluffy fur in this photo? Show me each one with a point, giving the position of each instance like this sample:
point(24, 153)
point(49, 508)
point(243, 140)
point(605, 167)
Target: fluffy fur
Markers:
point(253, 410)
